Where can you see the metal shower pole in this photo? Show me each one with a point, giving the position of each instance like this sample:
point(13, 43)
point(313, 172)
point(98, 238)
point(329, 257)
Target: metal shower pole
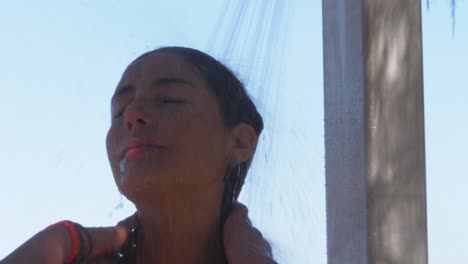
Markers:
point(374, 132)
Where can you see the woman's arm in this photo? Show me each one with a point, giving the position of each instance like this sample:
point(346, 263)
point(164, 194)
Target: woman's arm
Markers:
point(53, 245)
point(48, 246)
point(244, 244)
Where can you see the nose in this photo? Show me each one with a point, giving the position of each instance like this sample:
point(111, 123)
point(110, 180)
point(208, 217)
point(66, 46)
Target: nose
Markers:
point(135, 118)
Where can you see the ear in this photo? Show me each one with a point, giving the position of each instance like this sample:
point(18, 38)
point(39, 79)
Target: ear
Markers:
point(243, 141)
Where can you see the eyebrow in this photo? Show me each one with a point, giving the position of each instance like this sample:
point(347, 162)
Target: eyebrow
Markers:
point(125, 89)
point(170, 80)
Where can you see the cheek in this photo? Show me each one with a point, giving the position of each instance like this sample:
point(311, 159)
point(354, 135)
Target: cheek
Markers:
point(111, 140)
point(202, 145)
point(201, 132)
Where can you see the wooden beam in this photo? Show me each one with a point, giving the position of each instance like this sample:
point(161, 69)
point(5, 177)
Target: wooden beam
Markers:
point(374, 132)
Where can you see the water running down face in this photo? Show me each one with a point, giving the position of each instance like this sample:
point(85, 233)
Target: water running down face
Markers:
point(167, 133)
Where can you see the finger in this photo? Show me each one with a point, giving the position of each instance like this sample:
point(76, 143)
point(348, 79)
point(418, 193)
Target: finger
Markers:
point(239, 215)
point(239, 210)
point(241, 239)
point(130, 222)
point(107, 240)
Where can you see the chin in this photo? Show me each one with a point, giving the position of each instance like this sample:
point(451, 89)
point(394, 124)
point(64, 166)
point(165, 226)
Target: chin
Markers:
point(143, 182)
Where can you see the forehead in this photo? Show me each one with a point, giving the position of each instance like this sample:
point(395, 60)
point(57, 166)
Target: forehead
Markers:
point(156, 65)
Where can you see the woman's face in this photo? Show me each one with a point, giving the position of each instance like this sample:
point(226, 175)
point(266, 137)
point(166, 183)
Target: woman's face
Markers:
point(166, 131)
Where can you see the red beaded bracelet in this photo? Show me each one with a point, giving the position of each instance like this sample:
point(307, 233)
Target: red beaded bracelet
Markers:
point(74, 237)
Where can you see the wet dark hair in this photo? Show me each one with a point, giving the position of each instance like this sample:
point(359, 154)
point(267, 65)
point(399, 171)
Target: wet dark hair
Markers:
point(236, 107)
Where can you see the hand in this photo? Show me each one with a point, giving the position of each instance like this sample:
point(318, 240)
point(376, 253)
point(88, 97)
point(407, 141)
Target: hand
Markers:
point(243, 243)
point(53, 244)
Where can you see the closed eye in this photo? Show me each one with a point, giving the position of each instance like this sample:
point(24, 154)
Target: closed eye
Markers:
point(172, 101)
point(162, 100)
point(119, 114)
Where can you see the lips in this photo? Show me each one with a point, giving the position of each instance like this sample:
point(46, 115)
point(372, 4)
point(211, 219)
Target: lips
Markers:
point(136, 147)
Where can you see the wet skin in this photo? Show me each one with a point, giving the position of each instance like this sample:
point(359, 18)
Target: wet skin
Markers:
point(168, 150)
point(163, 100)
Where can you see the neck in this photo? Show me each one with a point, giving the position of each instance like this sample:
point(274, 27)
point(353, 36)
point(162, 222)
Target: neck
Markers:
point(180, 228)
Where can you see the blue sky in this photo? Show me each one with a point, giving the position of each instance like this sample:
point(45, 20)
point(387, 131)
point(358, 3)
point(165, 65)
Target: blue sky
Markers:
point(446, 83)
point(61, 61)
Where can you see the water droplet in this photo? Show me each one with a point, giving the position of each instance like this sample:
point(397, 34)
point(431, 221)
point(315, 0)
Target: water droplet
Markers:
point(122, 166)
